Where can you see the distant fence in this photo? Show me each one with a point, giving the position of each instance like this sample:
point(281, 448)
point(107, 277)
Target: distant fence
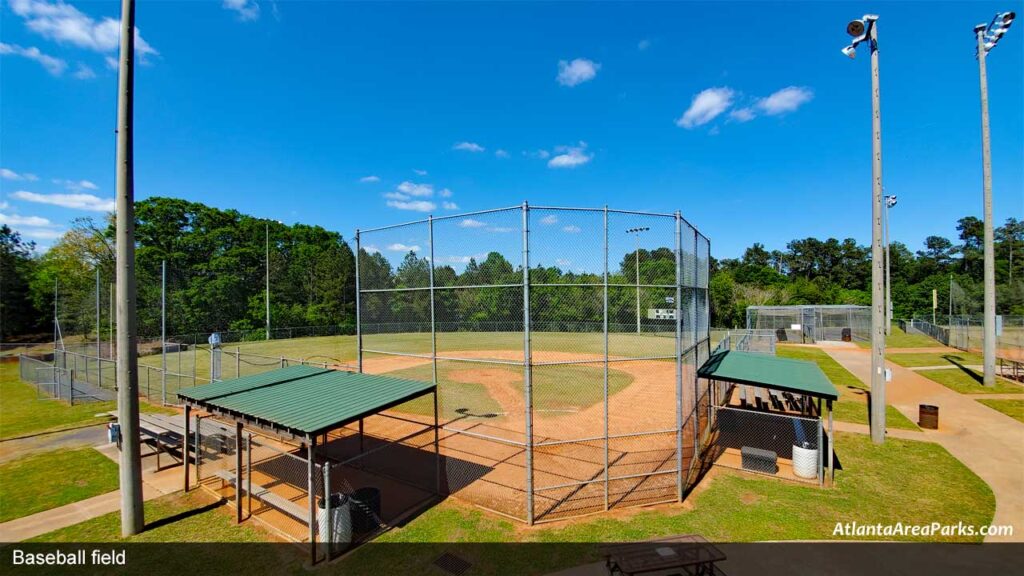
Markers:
point(762, 341)
point(967, 333)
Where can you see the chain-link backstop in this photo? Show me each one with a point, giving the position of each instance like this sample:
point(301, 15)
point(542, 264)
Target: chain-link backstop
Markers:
point(812, 323)
point(564, 343)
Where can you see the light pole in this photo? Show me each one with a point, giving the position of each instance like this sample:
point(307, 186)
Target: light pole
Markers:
point(636, 232)
point(267, 261)
point(988, 36)
point(863, 30)
point(890, 201)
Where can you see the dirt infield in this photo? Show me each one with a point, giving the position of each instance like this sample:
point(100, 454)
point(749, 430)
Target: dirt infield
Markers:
point(484, 452)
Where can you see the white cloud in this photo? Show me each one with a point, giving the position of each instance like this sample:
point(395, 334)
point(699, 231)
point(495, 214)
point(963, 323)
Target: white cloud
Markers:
point(501, 153)
point(570, 156)
point(502, 229)
point(370, 249)
point(414, 189)
point(414, 205)
point(578, 71)
point(399, 247)
point(643, 45)
point(111, 62)
point(8, 174)
point(542, 154)
point(73, 201)
point(706, 106)
point(367, 179)
point(84, 72)
point(572, 229)
point(743, 114)
point(445, 193)
point(448, 205)
point(64, 23)
point(419, 172)
point(468, 147)
point(15, 220)
point(247, 10)
point(76, 185)
point(395, 196)
point(4, 205)
point(54, 66)
point(471, 223)
point(549, 220)
point(786, 100)
point(41, 233)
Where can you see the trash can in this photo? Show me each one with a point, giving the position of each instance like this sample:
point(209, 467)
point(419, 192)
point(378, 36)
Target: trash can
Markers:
point(928, 416)
point(365, 511)
point(847, 335)
point(114, 433)
point(805, 461)
point(340, 522)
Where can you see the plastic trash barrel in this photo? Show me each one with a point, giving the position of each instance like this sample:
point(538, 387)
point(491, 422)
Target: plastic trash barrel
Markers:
point(365, 511)
point(805, 462)
point(340, 522)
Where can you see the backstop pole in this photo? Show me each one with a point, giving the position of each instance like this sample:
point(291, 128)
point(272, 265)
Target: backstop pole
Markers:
point(606, 458)
point(433, 323)
point(527, 364)
point(163, 330)
point(679, 358)
point(359, 324)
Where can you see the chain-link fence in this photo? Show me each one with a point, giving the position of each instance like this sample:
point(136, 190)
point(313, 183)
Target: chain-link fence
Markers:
point(564, 343)
point(812, 323)
point(781, 445)
point(762, 341)
point(968, 333)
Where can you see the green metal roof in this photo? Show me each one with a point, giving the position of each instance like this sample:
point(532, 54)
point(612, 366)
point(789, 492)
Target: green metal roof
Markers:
point(303, 400)
point(765, 370)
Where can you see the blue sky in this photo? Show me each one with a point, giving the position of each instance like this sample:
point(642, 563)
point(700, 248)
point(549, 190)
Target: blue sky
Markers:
point(365, 114)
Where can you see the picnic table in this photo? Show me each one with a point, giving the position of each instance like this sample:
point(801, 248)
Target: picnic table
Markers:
point(165, 432)
point(691, 554)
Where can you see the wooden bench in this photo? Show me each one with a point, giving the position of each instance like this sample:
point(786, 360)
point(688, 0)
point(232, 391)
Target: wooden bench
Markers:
point(166, 432)
point(267, 497)
point(759, 460)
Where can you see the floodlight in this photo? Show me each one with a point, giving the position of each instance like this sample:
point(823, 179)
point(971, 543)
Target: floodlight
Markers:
point(855, 28)
point(850, 51)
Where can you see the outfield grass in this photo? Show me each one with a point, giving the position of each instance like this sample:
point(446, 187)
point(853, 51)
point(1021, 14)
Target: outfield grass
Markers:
point(852, 405)
point(47, 480)
point(899, 481)
point(970, 381)
point(1012, 408)
point(918, 359)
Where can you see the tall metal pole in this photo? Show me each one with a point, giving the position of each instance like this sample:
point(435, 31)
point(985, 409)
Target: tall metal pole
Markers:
point(110, 320)
point(888, 282)
point(637, 282)
point(267, 294)
point(989, 340)
point(527, 365)
point(132, 520)
point(607, 501)
point(99, 338)
point(680, 484)
point(877, 272)
point(359, 324)
point(163, 331)
point(433, 317)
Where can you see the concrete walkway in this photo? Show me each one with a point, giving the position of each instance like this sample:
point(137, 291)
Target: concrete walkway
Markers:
point(74, 438)
point(988, 442)
point(154, 485)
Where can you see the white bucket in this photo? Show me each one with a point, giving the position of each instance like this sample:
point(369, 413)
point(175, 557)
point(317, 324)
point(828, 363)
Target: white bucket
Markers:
point(805, 462)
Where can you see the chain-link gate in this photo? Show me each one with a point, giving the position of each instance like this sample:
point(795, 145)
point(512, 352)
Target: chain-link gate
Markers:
point(564, 343)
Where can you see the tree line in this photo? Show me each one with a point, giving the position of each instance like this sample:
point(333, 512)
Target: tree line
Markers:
point(217, 262)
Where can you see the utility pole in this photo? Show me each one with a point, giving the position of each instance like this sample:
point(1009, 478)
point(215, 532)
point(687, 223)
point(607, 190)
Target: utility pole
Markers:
point(110, 321)
point(132, 520)
point(267, 294)
point(99, 338)
point(163, 331)
point(636, 232)
point(863, 30)
point(989, 340)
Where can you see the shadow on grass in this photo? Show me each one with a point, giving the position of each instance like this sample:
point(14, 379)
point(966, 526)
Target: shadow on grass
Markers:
point(183, 515)
point(955, 361)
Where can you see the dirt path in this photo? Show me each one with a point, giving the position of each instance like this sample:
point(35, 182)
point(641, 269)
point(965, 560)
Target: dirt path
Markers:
point(75, 438)
point(991, 444)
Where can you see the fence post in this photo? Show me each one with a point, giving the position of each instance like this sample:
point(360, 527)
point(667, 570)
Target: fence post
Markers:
point(238, 356)
point(359, 326)
point(199, 449)
point(607, 474)
point(680, 485)
point(71, 385)
point(821, 449)
point(327, 507)
point(527, 364)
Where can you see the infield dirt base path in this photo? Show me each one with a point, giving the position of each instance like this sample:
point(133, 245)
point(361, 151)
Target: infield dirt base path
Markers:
point(988, 442)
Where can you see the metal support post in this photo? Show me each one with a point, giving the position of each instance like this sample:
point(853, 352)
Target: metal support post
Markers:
point(329, 529)
point(359, 328)
point(184, 443)
point(607, 474)
point(437, 449)
point(527, 364)
point(238, 472)
point(311, 468)
point(680, 484)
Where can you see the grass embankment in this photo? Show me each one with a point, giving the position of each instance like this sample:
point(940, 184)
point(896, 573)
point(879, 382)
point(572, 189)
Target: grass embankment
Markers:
point(946, 359)
point(47, 480)
point(899, 481)
point(23, 413)
point(1012, 408)
point(853, 394)
point(900, 339)
point(967, 381)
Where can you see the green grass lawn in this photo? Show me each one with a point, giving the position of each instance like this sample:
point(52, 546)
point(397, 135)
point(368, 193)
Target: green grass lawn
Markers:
point(43, 481)
point(917, 359)
point(569, 387)
point(22, 413)
point(1012, 408)
point(900, 481)
point(853, 394)
point(970, 382)
point(900, 339)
